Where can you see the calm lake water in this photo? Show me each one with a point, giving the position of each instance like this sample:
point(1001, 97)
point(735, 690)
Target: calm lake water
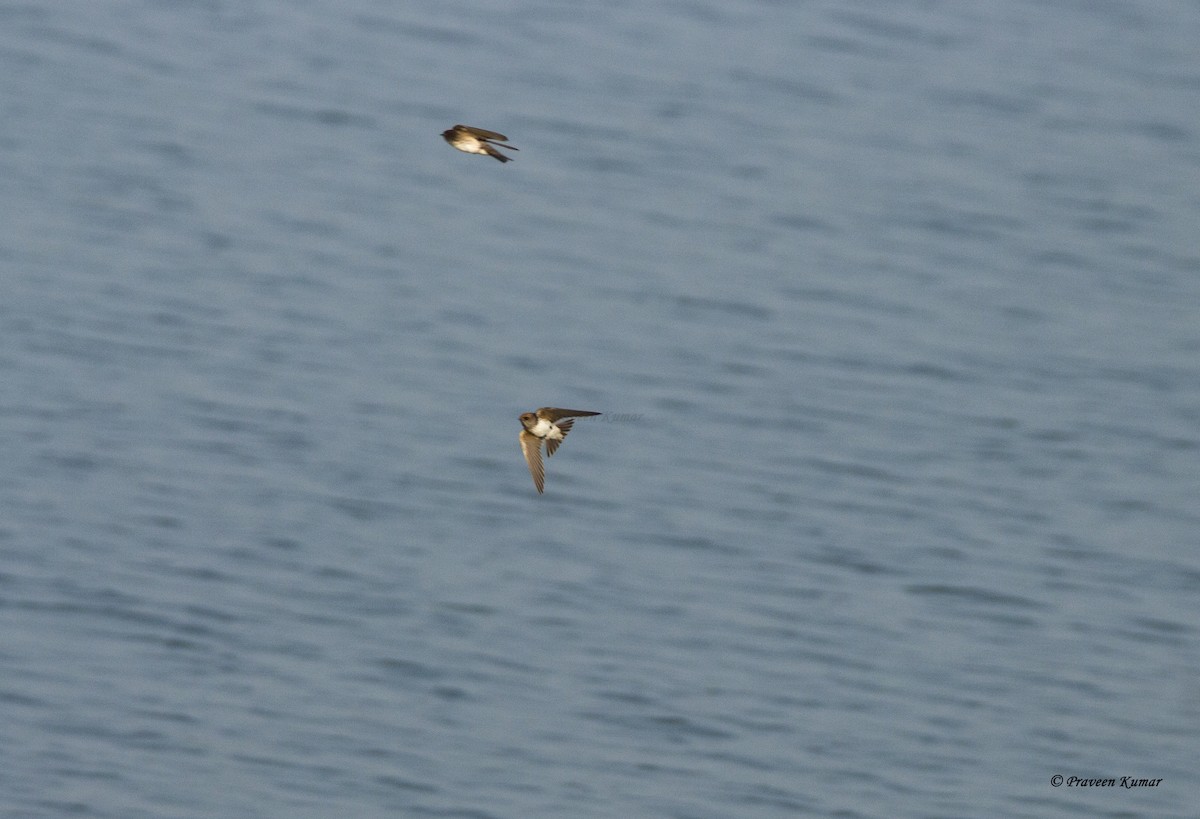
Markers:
point(893, 310)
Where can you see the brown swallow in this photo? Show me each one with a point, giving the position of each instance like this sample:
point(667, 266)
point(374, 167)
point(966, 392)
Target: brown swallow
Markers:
point(545, 425)
point(477, 141)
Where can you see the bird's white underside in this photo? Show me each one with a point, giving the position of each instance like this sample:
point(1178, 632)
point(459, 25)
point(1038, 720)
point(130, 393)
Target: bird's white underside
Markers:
point(546, 429)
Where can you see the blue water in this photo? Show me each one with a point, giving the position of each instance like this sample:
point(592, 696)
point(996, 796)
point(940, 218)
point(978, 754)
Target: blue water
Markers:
point(893, 310)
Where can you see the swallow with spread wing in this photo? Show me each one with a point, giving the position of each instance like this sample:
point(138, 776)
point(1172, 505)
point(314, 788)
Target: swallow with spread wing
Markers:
point(547, 426)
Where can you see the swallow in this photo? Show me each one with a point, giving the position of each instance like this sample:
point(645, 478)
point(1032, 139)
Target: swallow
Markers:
point(477, 141)
point(546, 426)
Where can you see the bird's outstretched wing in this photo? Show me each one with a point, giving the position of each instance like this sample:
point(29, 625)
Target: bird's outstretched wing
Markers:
point(531, 445)
point(554, 413)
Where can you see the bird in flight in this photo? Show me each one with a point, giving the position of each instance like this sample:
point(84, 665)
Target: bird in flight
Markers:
point(545, 426)
point(477, 141)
